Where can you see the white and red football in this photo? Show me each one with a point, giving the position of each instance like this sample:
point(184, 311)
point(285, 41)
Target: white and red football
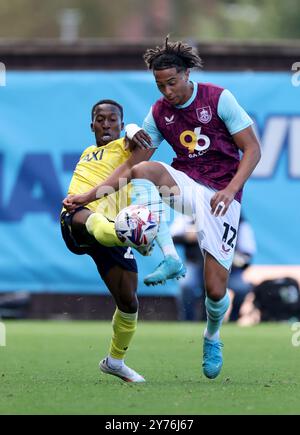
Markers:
point(136, 226)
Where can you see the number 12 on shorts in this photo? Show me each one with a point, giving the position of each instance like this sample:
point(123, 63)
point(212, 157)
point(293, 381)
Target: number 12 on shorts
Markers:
point(229, 235)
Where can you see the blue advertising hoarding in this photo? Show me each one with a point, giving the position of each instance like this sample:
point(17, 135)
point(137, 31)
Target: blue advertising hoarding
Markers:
point(44, 126)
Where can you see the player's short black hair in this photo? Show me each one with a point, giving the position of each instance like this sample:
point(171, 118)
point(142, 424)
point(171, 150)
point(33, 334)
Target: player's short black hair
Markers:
point(112, 102)
point(172, 55)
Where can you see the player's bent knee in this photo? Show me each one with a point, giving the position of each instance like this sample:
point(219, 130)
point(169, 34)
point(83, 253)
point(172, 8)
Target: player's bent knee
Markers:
point(141, 170)
point(128, 306)
point(215, 293)
point(146, 170)
point(127, 300)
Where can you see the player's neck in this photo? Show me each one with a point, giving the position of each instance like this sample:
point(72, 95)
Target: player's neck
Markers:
point(189, 93)
point(101, 144)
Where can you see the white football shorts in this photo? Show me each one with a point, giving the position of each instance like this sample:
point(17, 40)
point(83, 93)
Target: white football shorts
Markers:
point(216, 235)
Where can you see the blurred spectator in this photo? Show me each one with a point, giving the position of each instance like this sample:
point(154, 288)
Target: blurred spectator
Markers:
point(244, 251)
point(272, 300)
point(14, 305)
point(191, 287)
point(191, 296)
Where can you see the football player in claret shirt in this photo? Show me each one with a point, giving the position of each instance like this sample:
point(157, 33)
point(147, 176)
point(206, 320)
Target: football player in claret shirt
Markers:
point(89, 229)
point(207, 129)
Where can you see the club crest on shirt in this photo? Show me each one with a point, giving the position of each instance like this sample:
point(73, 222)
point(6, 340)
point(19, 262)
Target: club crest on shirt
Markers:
point(204, 114)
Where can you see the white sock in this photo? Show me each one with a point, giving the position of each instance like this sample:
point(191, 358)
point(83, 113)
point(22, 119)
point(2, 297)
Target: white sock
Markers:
point(213, 337)
point(114, 363)
point(169, 250)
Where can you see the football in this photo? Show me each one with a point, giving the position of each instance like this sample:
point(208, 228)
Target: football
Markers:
point(136, 226)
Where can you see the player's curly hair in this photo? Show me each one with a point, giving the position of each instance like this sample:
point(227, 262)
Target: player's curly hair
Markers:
point(172, 55)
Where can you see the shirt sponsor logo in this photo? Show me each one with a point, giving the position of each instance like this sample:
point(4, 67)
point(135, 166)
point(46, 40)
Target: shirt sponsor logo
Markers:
point(195, 142)
point(204, 114)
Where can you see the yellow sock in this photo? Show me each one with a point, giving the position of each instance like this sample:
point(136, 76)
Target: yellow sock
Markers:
point(124, 326)
point(103, 230)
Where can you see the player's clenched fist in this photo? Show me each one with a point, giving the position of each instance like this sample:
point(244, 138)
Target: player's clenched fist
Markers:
point(71, 202)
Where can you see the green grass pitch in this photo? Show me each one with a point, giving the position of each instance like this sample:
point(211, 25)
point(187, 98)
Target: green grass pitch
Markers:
point(52, 368)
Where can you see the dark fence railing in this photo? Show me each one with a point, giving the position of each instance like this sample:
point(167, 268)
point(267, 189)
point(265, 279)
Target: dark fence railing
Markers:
point(110, 55)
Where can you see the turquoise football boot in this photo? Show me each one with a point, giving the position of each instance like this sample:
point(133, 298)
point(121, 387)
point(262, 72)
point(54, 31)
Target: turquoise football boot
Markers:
point(212, 358)
point(169, 268)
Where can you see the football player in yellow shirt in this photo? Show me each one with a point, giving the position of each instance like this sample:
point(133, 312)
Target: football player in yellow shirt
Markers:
point(115, 262)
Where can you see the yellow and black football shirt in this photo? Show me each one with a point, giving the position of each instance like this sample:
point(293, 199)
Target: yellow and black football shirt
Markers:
point(95, 165)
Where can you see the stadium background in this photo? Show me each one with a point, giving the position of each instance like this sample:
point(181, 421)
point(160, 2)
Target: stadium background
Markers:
point(45, 117)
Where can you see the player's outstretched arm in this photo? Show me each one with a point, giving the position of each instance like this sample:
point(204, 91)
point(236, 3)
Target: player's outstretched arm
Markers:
point(112, 183)
point(247, 142)
point(137, 137)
